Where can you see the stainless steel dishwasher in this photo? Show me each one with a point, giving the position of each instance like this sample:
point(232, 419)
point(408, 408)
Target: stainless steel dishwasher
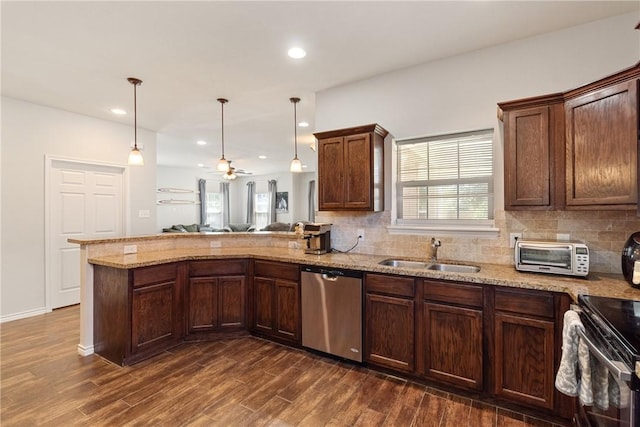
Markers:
point(332, 311)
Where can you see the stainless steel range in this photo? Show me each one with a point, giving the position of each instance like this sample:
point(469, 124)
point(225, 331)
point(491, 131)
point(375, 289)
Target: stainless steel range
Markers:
point(612, 334)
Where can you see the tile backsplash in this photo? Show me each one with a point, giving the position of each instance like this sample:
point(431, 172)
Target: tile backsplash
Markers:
point(604, 232)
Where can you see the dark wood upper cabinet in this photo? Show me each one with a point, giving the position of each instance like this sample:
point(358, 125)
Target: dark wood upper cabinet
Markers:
point(351, 169)
point(602, 147)
point(534, 153)
point(574, 150)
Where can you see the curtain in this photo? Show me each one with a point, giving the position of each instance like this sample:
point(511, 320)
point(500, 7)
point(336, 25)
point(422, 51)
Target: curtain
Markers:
point(251, 202)
point(312, 200)
point(202, 188)
point(273, 188)
point(224, 190)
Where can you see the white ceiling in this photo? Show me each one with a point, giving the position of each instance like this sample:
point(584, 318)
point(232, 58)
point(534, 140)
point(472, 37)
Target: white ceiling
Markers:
point(76, 56)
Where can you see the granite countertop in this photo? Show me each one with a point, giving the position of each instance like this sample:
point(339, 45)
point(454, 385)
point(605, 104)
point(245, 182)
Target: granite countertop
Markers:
point(490, 274)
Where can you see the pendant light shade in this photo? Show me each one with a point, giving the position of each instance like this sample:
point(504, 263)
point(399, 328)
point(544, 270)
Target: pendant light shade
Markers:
point(135, 157)
point(296, 164)
point(223, 164)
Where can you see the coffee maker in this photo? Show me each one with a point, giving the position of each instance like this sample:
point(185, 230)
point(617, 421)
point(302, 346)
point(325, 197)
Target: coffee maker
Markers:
point(318, 237)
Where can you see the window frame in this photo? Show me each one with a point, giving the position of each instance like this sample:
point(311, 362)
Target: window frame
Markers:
point(478, 227)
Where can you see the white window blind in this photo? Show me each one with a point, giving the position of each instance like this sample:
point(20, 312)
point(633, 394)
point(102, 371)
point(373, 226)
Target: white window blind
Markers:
point(445, 178)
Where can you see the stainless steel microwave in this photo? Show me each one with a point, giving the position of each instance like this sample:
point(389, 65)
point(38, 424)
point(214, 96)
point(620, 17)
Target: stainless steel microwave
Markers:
point(568, 258)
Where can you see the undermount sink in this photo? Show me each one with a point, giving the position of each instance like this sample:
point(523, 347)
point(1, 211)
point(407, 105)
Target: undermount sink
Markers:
point(403, 263)
point(454, 268)
point(438, 266)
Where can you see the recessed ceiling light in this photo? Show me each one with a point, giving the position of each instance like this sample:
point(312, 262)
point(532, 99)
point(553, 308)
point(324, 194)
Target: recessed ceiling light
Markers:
point(304, 166)
point(297, 53)
point(200, 165)
point(262, 157)
point(201, 142)
point(118, 111)
point(303, 124)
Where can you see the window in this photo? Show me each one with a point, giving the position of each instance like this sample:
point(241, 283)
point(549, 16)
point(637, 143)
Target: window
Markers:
point(262, 210)
point(445, 179)
point(214, 208)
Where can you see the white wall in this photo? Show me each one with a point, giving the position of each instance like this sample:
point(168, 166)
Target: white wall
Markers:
point(29, 133)
point(461, 93)
point(184, 178)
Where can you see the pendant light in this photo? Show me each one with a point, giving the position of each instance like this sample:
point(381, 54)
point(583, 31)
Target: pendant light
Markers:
point(296, 164)
point(135, 157)
point(223, 164)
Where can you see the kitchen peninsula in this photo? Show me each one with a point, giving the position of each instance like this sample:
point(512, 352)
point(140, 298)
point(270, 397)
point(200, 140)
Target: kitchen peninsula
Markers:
point(423, 304)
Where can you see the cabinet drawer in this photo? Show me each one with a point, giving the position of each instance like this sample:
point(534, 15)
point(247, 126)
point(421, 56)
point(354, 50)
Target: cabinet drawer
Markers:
point(536, 303)
point(217, 267)
point(390, 285)
point(454, 293)
point(155, 274)
point(277, 270)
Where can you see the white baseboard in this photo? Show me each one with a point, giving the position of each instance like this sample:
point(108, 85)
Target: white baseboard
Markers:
point(85, 351)
point(23, 314)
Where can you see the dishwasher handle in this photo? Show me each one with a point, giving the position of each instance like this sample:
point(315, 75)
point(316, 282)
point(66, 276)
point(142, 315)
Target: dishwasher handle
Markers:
point(331, 274)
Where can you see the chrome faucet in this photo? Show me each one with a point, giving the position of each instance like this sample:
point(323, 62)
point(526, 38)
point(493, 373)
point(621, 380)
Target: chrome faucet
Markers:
point(435, 244)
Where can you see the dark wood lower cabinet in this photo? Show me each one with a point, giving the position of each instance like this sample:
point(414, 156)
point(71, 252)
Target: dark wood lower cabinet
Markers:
point(453, 345)
point(453, 333)
point(276, 301)
point(137, 313)
point(524, 360)
point(390, 322)
point(216, 297)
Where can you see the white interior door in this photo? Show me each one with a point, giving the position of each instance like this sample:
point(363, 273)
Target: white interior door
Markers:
point(85, 201)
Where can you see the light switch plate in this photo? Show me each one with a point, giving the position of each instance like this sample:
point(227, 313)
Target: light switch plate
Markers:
point(130, 249)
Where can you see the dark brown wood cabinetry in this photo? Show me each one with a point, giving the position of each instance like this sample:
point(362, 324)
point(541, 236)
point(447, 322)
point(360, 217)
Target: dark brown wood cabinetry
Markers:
point(452, 330)
point(216, 297)
point(276, 301)
point(351, 169)
point(534, 153)
point(602, 145)
point(574, 150)
point(137, 313)
point(390, 321)
point(524, 347)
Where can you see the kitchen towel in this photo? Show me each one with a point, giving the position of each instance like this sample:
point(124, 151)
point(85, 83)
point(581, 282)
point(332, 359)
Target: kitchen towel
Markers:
point(574, 374)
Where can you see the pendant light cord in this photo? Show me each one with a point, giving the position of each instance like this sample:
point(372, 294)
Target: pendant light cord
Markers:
point(135, 116)
point(295, 127)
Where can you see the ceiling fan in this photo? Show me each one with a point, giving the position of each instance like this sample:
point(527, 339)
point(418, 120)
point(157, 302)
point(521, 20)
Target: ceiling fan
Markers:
point(232, 173)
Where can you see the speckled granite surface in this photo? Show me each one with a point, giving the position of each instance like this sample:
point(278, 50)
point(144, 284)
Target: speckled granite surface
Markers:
point(491, 274)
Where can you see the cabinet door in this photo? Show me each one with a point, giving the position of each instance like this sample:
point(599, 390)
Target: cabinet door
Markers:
point(264, 303)
point(202, 304)
point(524, 359)
point(602, 147)
point(453, 344)
point(357, 171)
point(287, 310)
point(331, 170)
point(527, 154)
point(154, 313)
point(390, 332)
point(231, 302)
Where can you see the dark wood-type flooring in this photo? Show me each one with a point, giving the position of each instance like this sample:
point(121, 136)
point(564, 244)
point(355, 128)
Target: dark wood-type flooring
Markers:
point(239, 382)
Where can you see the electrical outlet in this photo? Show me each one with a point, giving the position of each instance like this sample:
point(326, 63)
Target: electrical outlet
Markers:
point(294, 245)
point(130, 249)
point(215, 244)
point(563, 236)
point(361, 234)
point(512, 239)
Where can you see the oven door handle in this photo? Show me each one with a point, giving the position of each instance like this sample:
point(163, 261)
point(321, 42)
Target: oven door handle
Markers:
point(618, 369)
